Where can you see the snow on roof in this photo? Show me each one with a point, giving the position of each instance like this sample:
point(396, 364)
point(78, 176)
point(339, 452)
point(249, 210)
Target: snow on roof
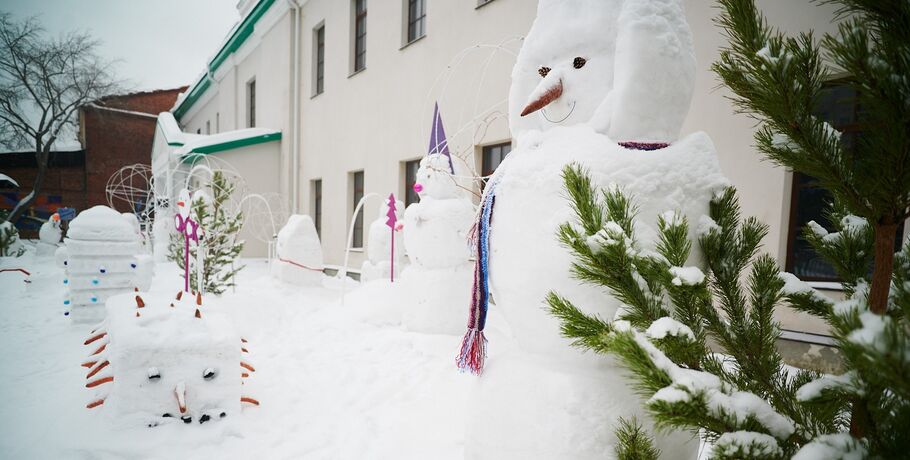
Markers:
point(206, 144)
point(4, 177)
point(188, 145)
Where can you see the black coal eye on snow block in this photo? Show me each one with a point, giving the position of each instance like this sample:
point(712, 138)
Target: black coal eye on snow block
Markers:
point(579, 62)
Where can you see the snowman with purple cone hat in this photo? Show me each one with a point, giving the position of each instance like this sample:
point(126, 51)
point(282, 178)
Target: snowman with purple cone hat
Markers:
point(435, 237)
point(605, 84)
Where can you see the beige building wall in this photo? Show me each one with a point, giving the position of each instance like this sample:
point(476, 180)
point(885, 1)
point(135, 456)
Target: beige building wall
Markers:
point(375, 119)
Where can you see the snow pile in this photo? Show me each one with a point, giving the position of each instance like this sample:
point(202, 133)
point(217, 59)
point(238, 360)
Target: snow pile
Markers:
point(747, 444)
point(299, 253)
point(436, 239)
point(668, 326)
point(840, 446)
point(159, 359)
point(378, 265)
point(689, 276)
point(102, 257)
point(814, 389)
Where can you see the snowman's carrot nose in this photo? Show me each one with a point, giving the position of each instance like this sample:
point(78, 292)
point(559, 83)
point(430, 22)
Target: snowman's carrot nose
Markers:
point(547, 96)
point(180, 393)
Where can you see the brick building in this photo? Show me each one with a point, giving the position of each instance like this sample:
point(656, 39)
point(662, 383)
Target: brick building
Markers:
point(114, 131)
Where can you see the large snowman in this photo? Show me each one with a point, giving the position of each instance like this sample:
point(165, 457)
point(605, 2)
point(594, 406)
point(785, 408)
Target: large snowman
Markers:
point(605, 84)
point(436, 240)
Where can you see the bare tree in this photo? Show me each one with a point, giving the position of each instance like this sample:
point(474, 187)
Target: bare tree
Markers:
point(43, 82)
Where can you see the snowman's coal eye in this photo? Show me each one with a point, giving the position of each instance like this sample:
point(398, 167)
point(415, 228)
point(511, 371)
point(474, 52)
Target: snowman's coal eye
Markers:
point(154, 374)
point(543, 71)
point(208, 374)
point(579, 62)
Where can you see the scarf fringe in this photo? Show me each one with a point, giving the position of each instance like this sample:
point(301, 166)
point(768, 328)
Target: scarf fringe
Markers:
point(473, 352)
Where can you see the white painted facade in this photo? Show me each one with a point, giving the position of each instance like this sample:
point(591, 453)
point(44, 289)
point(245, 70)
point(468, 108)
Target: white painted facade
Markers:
point(375, 119)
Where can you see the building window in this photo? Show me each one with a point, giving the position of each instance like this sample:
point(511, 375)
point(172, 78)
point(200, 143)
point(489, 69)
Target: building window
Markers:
point(208, 127)
point(356, 196)
point(493, 156)
point(217, 122)
point(410, 178)
point(251, 103)
point(317, 206)
point(417, 19)
point(839, 106)
point(360, 35)
point(198, 130)
point(319, 40)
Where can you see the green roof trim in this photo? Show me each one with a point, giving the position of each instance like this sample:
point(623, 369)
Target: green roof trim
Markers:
point(197, 152)
point(164, 134)
point(233, 43)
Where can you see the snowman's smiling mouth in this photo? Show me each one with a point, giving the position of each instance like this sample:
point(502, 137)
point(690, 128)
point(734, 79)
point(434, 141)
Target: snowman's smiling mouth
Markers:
point(543, 112)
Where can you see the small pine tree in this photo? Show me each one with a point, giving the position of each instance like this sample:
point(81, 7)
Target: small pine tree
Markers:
point(10, 246)
point(219, 228)
point(745, 400)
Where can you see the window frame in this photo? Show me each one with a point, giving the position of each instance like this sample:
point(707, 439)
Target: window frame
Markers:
point(797, 185)
point(415, 25)
point(319, 59)
point(409, 178)
point(251, 103)
point(316, 203)
point(359, 36)
point(357, 242)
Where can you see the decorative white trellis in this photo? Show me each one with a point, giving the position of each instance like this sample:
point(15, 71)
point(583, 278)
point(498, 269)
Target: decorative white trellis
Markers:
point(132, 188)
point(263, 216)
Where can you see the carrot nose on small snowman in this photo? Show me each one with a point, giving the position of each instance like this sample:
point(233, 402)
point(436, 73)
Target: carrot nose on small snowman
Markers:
point(180, 393)
point(549, 90)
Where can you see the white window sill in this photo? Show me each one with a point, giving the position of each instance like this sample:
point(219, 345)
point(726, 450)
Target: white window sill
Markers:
point(412, 42)
point(826, 285)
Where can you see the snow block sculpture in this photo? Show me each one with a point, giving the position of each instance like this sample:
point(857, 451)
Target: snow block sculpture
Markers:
point(605, 84)
point(102, 257)
point(378, 265)
point(158, 359)
point(436, 239)
point(49, 236)
point(299, 253)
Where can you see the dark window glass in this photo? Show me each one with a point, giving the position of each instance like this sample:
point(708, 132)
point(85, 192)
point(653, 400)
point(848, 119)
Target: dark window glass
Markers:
point(251, 91)
point(839, 106)
point(317, 206)
point(493, 156)
point(417, 19)
point(410, 178)
point(360, 34)
point(357, 195)
point(320, 59)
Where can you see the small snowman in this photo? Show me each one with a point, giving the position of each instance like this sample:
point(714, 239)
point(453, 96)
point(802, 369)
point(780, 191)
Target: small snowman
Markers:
point(49, 236)
point(605, 84)
point(379, 263)
point(436, 233)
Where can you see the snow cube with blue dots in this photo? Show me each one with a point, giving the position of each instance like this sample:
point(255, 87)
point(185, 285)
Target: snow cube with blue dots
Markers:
point(102, 257)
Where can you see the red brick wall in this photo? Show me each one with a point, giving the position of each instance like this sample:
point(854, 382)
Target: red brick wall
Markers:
point(153, 102)
point(111, 139)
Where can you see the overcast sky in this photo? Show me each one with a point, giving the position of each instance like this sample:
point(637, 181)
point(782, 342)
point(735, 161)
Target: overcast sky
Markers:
point(159, 43)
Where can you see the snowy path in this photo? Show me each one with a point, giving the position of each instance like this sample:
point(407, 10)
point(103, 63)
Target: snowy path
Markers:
point(335, 382)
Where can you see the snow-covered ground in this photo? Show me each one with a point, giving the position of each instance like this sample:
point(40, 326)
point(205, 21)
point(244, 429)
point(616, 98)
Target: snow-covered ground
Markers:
point(335, 380)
